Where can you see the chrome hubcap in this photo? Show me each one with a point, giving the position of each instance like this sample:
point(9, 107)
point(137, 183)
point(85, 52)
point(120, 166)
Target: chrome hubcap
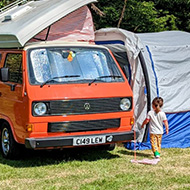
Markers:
point(5, 141)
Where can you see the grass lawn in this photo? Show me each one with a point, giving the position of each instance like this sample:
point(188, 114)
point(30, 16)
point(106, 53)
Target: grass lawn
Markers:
point(83, 169)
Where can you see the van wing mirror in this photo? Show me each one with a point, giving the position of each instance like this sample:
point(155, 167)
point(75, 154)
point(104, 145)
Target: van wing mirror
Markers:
point(126, 72)
point(4, 74)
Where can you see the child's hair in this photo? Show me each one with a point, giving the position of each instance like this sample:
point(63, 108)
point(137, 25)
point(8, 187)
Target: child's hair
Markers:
point(158, 103)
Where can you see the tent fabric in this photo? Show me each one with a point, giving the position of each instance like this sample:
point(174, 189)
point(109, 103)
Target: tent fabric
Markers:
point(165, 38)
point(170, 76)
point(166, 58)
point(78, 25)
point(137, 82)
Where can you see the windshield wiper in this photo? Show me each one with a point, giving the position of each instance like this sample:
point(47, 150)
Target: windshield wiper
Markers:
point(53, 79)
point(107, 76)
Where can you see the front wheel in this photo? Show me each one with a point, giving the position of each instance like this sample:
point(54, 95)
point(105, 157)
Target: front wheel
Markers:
point(108, 147)
point(9, 147)
point(111, 147)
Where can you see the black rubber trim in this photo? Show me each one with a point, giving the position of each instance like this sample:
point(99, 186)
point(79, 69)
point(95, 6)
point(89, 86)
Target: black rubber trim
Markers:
point(67, 141)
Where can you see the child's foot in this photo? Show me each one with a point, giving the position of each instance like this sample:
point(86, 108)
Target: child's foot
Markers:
point(157, 154)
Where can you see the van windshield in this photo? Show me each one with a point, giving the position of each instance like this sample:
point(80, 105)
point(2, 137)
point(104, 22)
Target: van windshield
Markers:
point(72, 65)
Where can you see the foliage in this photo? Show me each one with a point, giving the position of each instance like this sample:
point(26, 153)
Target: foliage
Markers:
point(5, 2)
point(179, 8)
point(144, 17)
point(140, 16)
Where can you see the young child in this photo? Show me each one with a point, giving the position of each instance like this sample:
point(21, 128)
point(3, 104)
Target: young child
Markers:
point(156, 117)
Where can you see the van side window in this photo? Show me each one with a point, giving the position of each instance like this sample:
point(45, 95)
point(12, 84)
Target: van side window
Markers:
point(14, 63)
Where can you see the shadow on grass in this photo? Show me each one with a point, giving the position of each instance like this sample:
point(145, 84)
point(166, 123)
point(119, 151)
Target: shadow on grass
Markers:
point(138, 153)
point(31, 158)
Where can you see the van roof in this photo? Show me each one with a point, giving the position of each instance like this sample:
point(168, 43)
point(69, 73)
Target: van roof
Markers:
point(59, 43)
point(22, 21)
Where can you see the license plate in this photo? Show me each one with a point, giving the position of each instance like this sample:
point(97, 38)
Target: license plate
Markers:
point(89, 140)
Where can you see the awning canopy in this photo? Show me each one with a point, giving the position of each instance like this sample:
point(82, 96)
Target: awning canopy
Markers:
point(159, 64)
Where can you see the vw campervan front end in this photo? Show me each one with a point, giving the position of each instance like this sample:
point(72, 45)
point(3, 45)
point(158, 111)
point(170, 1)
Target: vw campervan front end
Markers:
point(56, 94)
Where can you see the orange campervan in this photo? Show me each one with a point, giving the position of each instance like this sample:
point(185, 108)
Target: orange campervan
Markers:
point(55, 94)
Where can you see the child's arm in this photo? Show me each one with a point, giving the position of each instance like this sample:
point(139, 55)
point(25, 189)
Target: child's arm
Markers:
point(145, 122)
point(166, 125)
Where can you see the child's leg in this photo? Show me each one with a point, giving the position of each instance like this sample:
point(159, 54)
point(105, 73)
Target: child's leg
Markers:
point(154, 144)
point(159, 141)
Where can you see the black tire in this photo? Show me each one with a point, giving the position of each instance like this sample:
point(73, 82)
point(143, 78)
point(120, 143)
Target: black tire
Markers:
point(108, 147)
point(10, 149)
point(111, 147)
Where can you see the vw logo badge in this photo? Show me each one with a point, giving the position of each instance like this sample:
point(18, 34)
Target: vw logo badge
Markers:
point(86, 106)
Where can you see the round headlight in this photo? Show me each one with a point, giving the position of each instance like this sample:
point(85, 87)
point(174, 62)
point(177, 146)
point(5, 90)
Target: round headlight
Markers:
point(40, 108)
point(125, 104)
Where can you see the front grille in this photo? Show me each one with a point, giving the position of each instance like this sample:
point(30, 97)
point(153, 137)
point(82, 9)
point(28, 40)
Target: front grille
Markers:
point(85, 106)
point(78, 126)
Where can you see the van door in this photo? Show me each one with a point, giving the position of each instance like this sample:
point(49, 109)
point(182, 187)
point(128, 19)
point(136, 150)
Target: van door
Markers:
point(11, 99)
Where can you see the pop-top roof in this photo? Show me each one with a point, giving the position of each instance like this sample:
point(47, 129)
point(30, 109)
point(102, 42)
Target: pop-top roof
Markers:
point(21, 22)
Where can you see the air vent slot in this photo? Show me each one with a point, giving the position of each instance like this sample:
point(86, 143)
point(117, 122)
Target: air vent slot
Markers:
point(16, 13)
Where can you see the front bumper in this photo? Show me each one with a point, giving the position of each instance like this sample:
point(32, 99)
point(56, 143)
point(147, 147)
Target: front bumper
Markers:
point(67, 141)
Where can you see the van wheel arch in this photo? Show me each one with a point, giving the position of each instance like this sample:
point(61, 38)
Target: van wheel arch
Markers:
point(10, 149)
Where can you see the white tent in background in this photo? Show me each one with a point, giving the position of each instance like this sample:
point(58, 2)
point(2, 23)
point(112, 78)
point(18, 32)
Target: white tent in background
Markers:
point(160, 66)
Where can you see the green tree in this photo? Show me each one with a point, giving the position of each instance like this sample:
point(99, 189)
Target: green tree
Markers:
point(5, 2)
point(144, 17)
point(178, 8)
point(139, 16)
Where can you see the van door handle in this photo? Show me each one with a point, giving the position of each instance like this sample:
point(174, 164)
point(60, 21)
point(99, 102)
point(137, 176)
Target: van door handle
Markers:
point(0, 94)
